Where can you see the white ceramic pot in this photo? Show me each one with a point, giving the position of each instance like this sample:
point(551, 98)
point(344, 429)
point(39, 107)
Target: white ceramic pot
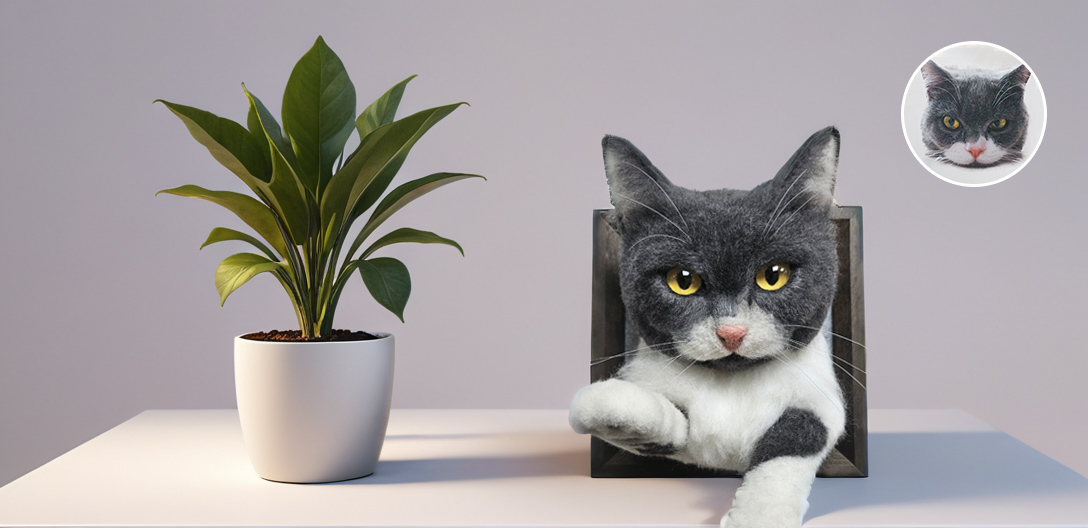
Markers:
point(314, 412)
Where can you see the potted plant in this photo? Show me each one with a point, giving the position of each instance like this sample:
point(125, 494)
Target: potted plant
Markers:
point(314, 403)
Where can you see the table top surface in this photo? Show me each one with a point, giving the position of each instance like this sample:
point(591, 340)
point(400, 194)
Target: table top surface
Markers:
point(526, 468)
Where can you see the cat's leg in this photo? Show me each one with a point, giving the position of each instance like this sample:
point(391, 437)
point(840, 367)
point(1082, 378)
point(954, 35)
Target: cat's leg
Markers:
point(630, 417)
point(773, 494)
point(775, 490)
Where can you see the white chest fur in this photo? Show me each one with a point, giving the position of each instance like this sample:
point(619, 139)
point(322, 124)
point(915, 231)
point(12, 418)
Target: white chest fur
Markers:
point(728, 412)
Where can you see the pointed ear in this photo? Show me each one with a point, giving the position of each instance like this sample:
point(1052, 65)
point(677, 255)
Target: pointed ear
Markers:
point(635, 185)
point(811, 170)
point(936, 79)
point(1018, 76)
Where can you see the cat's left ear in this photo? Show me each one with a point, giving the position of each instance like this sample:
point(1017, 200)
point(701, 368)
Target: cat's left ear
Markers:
point(636, 187)
point(811, 170)
point(937, 79)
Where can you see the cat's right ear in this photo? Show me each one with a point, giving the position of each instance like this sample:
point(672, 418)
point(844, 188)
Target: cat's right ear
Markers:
point(635, 186)
point(1017, 77)
point(936, 79)
point(814, 166)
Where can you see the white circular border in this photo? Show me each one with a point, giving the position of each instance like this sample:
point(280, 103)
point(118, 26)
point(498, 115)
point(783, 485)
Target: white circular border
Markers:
point(1034, 81)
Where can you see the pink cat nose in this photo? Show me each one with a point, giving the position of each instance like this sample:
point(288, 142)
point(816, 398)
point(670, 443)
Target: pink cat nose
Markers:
point(732, 336)
point(975, 151)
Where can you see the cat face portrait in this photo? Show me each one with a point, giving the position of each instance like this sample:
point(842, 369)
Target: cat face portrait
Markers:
point(975, 118)
point(727, 278)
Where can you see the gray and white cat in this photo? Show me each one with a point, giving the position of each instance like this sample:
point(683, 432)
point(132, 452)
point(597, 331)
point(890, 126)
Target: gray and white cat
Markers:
point(975, 118)
point(728, 292)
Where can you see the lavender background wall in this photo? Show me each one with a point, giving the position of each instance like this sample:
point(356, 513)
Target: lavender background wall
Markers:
point(975, 297)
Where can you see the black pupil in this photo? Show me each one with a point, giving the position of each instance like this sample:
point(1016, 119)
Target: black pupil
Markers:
point(683, 279)
point(771, 275)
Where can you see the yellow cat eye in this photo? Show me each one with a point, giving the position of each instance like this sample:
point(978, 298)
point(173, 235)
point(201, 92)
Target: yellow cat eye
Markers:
point(682, 281)
point(952, 123)
point(998, 124)
point(773, 276)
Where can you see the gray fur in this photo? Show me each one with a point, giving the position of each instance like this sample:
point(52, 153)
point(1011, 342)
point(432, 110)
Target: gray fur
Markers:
point(797, 432)
point(726, 236)
point(976, 98)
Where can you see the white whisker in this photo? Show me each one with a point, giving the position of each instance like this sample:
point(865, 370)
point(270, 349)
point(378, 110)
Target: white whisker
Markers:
point(652, 236)
point(1009, 90)
point(671, 344)
point(776, 212)
point(628, 198)
point(672, 360)
point(954, 96)
point(832, 333)
point(997, 99)
point(674, 378)
point(783, 224)
point(853, 366)
point(797, 345)
point(805, 374)
point(847, 372)
point(662, 189)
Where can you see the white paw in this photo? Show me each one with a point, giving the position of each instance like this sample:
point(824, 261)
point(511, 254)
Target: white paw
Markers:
point(627, 415)
point(763, 518)
point(774, 494)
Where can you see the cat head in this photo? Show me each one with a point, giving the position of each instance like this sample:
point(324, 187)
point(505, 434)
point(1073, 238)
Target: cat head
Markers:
point(727, 278)
point(975, 118)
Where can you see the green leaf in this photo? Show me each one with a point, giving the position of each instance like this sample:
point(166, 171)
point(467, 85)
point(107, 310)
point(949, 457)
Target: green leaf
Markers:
point(402, 196)
point(247, 156)
point(382, 111)
point(228, 142)
point(223, 234)
point(253, 123)
point(407, 234)
point(318, 113)
point(254, 213)
point(364, 177)
point(285, 190)
point(237, 269)
point(388, 281)
point(330, 235)
point(263, 125)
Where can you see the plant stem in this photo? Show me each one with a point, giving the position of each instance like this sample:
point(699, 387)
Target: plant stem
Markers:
point(329, 283)
point(294, 262)
point(312, 249)
point(334, 296)
point(292, 293)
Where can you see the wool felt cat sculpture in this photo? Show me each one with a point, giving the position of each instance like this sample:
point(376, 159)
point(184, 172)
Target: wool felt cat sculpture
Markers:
point(975, 118)
point(728, 293)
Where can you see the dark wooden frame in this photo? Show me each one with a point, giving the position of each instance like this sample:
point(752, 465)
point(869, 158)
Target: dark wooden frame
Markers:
point(609, 337)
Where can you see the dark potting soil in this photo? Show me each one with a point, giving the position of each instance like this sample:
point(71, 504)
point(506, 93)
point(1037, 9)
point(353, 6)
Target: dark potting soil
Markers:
point(296, 336)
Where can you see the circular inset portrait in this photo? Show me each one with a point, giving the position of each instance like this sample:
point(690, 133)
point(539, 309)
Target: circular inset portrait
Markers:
point(973, 114)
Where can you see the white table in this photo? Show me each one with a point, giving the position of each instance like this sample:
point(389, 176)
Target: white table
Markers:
point(520, 468)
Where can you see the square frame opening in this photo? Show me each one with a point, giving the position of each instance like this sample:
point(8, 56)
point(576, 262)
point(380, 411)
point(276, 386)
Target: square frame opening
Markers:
point(849, 458)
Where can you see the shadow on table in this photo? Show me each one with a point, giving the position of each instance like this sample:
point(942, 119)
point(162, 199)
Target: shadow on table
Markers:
point(561, 461)
point(458, 436)
point(927, 467)
point(472, 468)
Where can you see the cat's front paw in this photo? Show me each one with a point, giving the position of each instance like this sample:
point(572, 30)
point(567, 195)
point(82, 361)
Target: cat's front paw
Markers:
point(772, 517)
point(774, 494)
point(756, 521)
point(629, 417)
